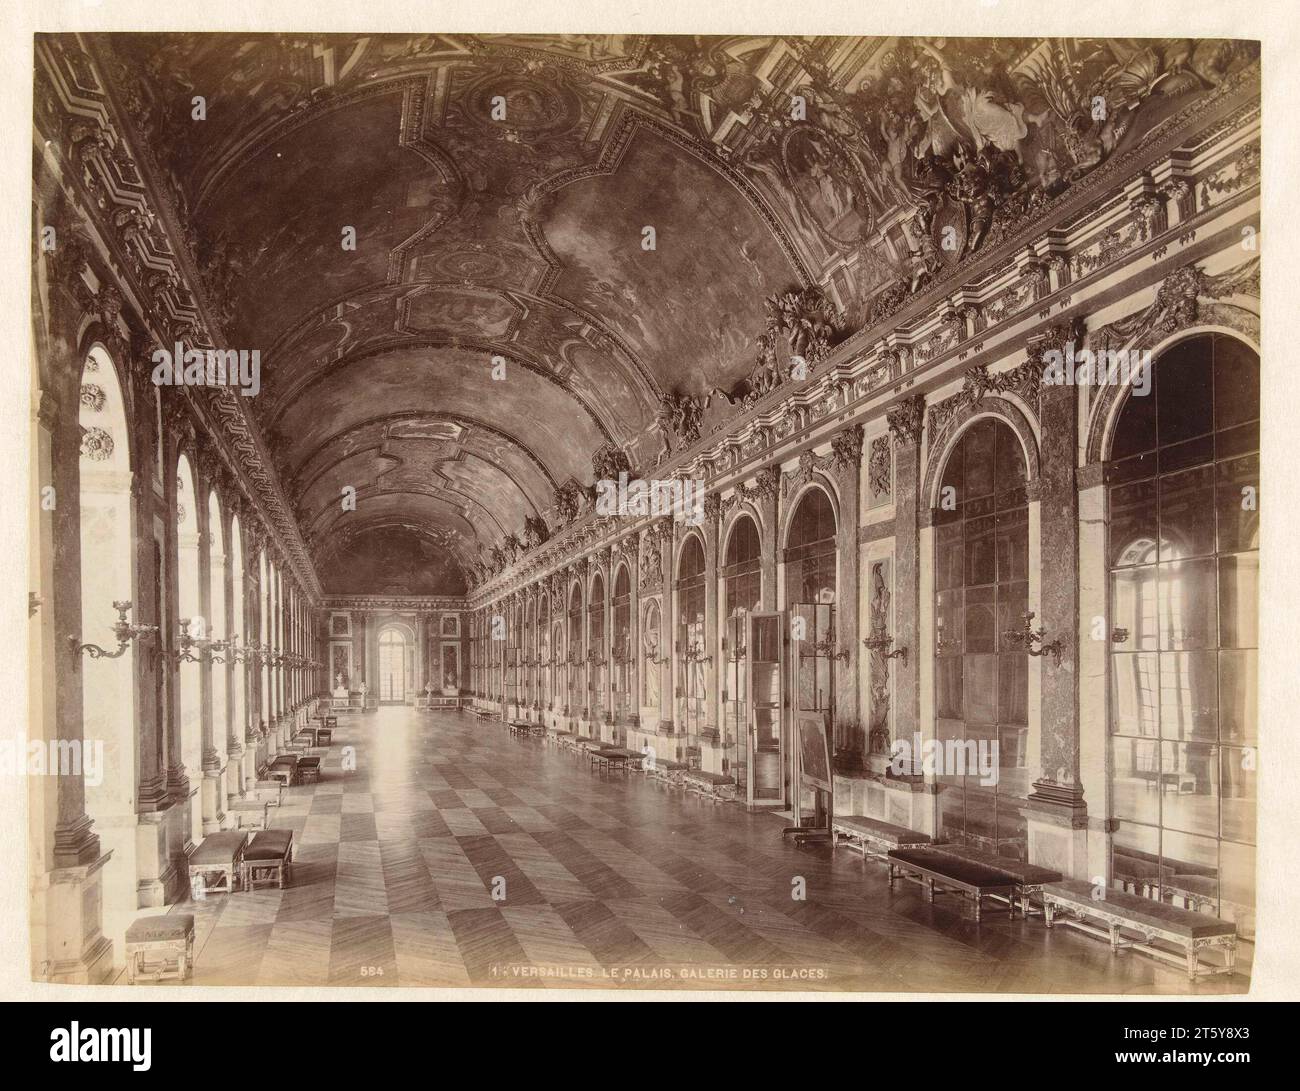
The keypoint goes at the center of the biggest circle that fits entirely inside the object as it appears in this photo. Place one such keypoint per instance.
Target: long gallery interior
(613, 510)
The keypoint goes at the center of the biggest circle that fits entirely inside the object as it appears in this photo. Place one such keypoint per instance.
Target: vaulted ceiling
(498, 190)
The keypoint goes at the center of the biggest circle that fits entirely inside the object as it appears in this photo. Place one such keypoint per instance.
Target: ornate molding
(906, 420)
(79, 111)
(1186, 298)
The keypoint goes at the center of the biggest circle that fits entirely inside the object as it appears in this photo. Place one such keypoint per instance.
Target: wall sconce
(213, 647)
(123, 630)
(1028, 637)
(826, 648)
(880, 642)
(694, 652)
(944, 644)
(188, 641)
(1119, 636)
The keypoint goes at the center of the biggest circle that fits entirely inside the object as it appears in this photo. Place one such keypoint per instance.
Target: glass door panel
(765, 661)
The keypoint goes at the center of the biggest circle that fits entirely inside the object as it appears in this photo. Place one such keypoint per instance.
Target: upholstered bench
(613, 757)
(269, 791)
(670, 772)
(560, 738)
(931, 867)
(583, 743)
(307, 737)
(309, 769)
(215, 862)
(250, 813)
(860, 831)
(1074, 902)
(166, 937)
(284, 769)
(1029, 878)
(269, 856)
(717, 786)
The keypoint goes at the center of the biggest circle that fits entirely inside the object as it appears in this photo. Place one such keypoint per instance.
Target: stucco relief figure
(650, 647)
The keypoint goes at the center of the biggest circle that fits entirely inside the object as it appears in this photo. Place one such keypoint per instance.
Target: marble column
(67, 862)
(1057, 795)
(905, 424)
(846, 465)
(767, 490)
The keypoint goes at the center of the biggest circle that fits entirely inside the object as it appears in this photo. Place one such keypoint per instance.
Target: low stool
(167, 941)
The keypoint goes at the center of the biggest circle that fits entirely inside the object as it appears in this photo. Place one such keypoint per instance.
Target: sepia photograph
(539, 512)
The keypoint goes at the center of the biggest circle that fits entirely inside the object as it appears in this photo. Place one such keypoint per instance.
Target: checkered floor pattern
(455, 854)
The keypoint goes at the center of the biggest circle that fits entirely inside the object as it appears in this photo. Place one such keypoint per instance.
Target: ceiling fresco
(499, 188)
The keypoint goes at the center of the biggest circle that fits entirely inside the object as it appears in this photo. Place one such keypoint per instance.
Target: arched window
(742, 578)
(1183, 552)
(527, 651)
(621, 646)
(544, 648)
(596, 654)
(690, 645)
(981, 682)
(810, 589)
(558, 655)
(576, 653)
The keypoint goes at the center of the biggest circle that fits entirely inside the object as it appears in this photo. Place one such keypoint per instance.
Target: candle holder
(188, 643)
(123, 630)
(694, 652)
(826, 648)
(882, 640)
(1033, 640)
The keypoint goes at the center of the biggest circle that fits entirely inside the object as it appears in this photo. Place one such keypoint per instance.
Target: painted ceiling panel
(799, 189)
(692, 306)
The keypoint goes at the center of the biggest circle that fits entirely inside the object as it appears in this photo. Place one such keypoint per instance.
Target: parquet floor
(457, 855)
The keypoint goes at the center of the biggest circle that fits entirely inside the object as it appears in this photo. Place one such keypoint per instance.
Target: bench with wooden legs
(716, 786)
(613, 757)
(215, 862)
(932, 869)
(1119, 916)
(1028, 878)
(284, 769)
(250, 813)
(670, 772)
(269, 791)
(861, 832)
(160, 946)
(269, 855)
